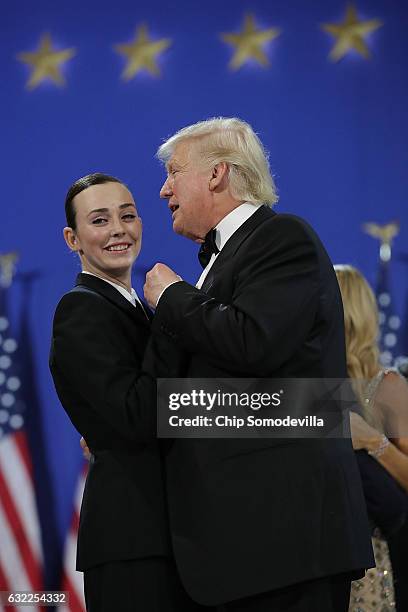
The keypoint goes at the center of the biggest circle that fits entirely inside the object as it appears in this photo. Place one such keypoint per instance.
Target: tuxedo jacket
(250, 516)
(98, 343)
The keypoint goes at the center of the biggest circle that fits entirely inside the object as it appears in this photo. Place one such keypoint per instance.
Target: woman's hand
(363, 436)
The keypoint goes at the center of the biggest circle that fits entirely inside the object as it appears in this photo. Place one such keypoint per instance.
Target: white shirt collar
(229, 224)
(225, 229)
(130, 297)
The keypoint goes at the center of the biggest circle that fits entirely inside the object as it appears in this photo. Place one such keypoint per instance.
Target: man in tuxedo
(100, 333)
(261, 524)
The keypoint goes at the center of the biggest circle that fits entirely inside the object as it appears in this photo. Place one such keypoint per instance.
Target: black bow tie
(208, 248)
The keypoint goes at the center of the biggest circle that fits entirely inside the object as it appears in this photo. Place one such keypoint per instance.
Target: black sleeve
(387, 503)
(273, 306)
(88, 356)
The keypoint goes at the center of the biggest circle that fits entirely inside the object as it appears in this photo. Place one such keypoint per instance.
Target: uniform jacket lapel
(110, 293)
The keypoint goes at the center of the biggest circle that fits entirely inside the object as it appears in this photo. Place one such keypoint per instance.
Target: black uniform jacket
(98, 343)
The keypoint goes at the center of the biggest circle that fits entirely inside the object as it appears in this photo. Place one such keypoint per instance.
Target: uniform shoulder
(77, 297)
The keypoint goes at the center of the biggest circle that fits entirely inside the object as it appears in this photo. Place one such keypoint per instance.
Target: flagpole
(8, 263)
(389, 321)
(385, 234)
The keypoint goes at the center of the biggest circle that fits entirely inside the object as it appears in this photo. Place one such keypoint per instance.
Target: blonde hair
(361, 326)
(232, 141)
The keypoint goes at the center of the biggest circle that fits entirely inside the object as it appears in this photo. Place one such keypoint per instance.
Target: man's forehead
(181, 153)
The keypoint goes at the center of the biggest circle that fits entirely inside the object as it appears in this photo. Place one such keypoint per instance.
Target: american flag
(72, 581)
(21, 558)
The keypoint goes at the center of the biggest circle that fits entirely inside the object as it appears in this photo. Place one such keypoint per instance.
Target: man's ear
(218, 176)
(71, 239)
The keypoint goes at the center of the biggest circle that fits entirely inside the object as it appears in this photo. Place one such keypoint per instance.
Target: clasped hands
(158, 279)
(161, 276)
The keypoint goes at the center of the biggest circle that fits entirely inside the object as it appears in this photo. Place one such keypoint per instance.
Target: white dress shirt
(131, 297)
(225, 229)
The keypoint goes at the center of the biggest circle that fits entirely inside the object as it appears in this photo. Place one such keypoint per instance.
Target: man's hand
(158, 279)
(85, 449)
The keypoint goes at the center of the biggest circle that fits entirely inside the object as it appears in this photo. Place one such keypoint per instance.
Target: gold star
(141, 53)
(350, 34)
(46, 62)
(248, 43)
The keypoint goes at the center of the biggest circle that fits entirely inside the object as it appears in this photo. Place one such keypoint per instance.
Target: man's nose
(166, 190)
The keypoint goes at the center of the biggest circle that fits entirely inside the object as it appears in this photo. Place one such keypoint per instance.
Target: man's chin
(181, 231)
(178, 228)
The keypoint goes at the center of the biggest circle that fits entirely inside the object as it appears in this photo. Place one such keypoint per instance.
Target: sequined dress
(374, 592)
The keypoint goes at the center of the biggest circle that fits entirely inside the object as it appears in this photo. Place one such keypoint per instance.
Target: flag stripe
(20, 538)
(21, 442)
(20, 487)
(74, 577)
(10, 558)
(73, 580)
(4, 587)
(3, 581)
(76, 598)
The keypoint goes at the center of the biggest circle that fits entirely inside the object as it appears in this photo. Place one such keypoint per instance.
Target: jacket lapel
(235, 241)
(110, 293)
(147, 310)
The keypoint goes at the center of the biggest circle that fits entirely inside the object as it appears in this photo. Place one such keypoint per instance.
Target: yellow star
(350, 34)
(46, 62)
(248, 43)
(141, 53)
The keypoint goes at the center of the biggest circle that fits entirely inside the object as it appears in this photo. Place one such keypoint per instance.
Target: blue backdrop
(336, 132)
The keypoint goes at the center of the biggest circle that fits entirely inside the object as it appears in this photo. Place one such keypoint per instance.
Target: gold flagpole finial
(385, 234)
(8, 263)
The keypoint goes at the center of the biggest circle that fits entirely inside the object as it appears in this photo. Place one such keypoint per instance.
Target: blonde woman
(382, 430)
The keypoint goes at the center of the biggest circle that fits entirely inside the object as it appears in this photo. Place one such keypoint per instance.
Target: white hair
(234, 142)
